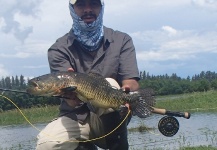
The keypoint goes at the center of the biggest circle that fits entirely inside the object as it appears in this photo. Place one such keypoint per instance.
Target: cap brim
(74, 1)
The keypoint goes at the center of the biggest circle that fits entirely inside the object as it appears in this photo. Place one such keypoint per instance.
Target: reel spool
(168, 126)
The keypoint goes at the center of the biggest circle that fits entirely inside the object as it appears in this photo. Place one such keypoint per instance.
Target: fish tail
(142, 102)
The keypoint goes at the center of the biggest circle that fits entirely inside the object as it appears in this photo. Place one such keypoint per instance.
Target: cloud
(118, 7)
(3, 72)
(182, 45)
(206, 4)
(36, 67)
(34, 48)
(169, 29)
(161, 68)
(8, 17)
(17, 55)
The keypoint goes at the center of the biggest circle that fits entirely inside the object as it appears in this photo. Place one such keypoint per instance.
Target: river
(200, 129)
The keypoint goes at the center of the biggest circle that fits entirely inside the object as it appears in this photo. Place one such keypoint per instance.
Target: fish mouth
(39, 89)
(33, 84)
(33, 87)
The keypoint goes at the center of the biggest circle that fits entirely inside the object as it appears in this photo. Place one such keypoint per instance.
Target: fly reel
(168, 126)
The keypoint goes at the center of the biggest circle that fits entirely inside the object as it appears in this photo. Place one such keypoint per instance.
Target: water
(22, 135)
(200, 129)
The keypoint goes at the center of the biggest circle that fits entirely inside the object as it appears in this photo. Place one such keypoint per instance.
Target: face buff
(89, 35)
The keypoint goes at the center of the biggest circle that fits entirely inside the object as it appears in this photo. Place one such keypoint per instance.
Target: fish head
(45, 85)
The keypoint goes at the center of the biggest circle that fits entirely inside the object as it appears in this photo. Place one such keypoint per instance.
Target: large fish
(91, 88)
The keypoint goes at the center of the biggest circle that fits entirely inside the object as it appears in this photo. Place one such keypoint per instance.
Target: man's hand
(125, 108)
(128, 86)
(72, 99)
(70, 69)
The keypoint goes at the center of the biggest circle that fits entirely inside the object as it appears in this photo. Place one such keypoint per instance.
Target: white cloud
(2, 22)
(34, 48)
(36, 67)
(16, 55)
(158, 68)
(10, 10)
(183, 45)
(3, 72)
(206, 4)
(118, 7)
(170, 30)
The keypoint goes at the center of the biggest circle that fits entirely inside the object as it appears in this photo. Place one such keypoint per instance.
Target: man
(90, 47)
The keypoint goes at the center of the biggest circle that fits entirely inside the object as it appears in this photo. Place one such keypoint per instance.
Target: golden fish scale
(98, 92)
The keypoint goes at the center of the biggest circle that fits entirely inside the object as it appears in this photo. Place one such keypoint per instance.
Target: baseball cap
(74, 1)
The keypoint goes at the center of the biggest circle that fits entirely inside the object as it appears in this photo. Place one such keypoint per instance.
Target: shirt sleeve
(128, 68)
(58, 60)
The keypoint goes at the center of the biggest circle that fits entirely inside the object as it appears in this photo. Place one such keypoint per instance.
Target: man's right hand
(72, 100)
(70, 69)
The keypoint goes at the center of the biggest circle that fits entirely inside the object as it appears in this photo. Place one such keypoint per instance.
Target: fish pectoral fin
(69, 89)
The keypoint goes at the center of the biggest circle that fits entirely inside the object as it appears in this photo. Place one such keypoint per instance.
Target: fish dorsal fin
(106, 81)
(94, 74)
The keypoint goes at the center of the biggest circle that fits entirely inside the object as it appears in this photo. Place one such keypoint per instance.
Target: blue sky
(170, 36)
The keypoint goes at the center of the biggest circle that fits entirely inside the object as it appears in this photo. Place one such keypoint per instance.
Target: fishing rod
(168, 125)
(24, 92)
(155, 110)
(161, 111)
(16, 91)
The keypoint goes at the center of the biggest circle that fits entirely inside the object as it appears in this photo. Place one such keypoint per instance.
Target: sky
(170, 36)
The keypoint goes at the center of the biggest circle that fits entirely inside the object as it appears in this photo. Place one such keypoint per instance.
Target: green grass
(198, 101)
(34, 115)
(141, 128)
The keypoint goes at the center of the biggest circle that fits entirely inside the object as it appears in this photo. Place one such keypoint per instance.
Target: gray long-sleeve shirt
(115, 58)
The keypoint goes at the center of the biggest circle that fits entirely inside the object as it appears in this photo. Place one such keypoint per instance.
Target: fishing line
(76, 140)
(20, 111)
(94, 139)
(89, 139)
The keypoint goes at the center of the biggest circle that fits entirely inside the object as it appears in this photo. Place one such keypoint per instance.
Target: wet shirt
(115, 58)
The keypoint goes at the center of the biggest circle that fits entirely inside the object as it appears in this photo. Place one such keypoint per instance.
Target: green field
(193, 102)
(33, 115)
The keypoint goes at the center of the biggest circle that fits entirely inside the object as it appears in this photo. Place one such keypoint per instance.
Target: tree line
(162, 85)
(165, 84)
